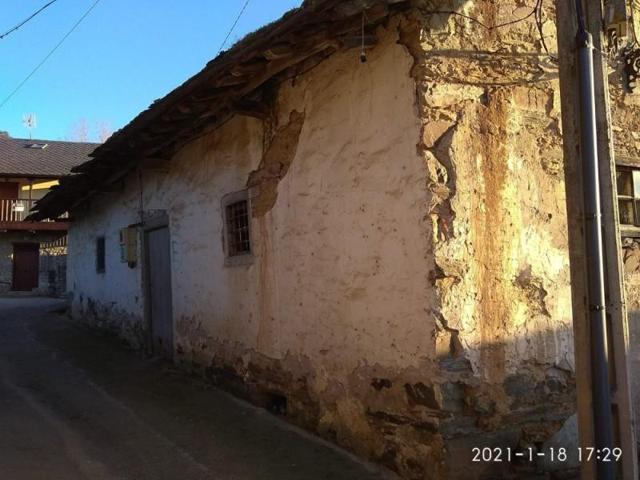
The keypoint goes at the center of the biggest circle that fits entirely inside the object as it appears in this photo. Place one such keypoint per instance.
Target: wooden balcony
(13, 214)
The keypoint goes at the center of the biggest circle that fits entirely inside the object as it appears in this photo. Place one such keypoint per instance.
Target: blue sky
(123, 56)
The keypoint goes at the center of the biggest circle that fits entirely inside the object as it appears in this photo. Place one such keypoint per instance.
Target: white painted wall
(355, 279)
(339, 264)
(114, 296)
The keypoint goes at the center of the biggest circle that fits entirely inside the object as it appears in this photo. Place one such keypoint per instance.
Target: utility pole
(605, 417)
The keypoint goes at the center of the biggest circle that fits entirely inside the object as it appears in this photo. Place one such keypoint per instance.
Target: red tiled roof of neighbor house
(20, 157)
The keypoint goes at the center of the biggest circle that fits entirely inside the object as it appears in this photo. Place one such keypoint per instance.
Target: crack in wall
(464, 121)
(263, 182)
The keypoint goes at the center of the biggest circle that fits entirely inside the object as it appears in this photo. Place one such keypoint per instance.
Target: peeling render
(625, 115)
(408, 295)
(492, 150)
(275, 163)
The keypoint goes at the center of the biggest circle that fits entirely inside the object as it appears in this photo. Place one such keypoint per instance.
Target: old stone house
(33, 254)
(376, 249)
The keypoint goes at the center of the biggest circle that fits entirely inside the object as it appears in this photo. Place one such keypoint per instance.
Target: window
(237, 225)
(628, 181)
(238, 228)
(38, 146)
(100, 255)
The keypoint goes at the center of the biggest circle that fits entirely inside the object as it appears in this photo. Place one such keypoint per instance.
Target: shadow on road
(77, 404)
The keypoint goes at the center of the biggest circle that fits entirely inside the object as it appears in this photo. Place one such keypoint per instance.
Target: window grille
(237, 223)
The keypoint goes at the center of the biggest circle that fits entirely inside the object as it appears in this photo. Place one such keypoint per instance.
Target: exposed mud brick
(380, 383)
(433, 132)
(521, 388)
(274, 166)
(427, 395)
(408, 295)
(454, 397)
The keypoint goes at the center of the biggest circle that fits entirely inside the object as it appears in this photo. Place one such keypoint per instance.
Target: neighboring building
(377, 250)
(33, 254)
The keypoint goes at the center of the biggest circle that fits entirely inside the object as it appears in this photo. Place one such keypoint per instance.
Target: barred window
(237, 228)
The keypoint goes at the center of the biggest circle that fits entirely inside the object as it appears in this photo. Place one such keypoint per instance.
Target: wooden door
(159, 304)
(26, 258)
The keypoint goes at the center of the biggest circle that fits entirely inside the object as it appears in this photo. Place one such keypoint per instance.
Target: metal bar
(601, 388)
(617, 321)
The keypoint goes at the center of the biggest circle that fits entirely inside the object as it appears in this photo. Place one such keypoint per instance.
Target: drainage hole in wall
(277, 403)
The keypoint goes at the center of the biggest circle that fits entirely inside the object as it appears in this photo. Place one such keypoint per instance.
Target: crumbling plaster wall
(112, 300)
(335, 299)
(188, 189)
(625, 117)
(631, 259)
(491, 142)
(334, 303)
(409, 291)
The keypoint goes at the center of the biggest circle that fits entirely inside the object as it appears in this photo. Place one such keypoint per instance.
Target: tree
(80, 131)
(103, 130)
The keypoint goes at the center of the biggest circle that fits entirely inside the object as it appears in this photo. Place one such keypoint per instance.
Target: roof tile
(55, 160)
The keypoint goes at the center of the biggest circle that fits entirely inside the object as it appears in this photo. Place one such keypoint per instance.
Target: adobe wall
(409, 292)
(334, 302)
(491, 142)
(625, 115)
(113, 299)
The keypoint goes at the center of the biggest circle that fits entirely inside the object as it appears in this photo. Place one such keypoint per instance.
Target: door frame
(36, 246)
(157, 221)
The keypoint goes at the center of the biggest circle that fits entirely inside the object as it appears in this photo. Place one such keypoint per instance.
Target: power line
(536, 12)
(479, 22)
(20, 85)
(27, 19)
(233, 27)
(540, 26)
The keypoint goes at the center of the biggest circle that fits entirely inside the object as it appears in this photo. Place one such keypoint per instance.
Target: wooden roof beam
(250, 108)
(279, 51)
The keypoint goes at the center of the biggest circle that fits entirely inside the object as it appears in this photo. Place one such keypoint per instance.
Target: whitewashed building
(355, 218)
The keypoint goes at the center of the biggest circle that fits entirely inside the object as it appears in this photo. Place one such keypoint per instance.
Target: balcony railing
(14, 210)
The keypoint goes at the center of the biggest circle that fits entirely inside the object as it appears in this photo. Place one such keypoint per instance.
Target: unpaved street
(76, 404)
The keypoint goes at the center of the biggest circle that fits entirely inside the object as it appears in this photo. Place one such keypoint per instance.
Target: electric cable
(540, 26)
(480, 22)
(51, 52)
(27, 19)
(536, 12)
(233, 27)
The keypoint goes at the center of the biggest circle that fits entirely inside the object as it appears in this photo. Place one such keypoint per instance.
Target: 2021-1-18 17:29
(507, 454)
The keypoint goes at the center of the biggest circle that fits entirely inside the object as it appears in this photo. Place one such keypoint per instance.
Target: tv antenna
(30, 122)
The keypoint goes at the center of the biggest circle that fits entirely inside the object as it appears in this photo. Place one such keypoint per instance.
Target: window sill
(629, 231)
(239, 260)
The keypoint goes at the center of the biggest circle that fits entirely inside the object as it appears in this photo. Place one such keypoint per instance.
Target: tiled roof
(241, 80)
(56, 159)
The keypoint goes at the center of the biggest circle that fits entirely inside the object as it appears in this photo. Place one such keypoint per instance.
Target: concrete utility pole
(605, 417)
